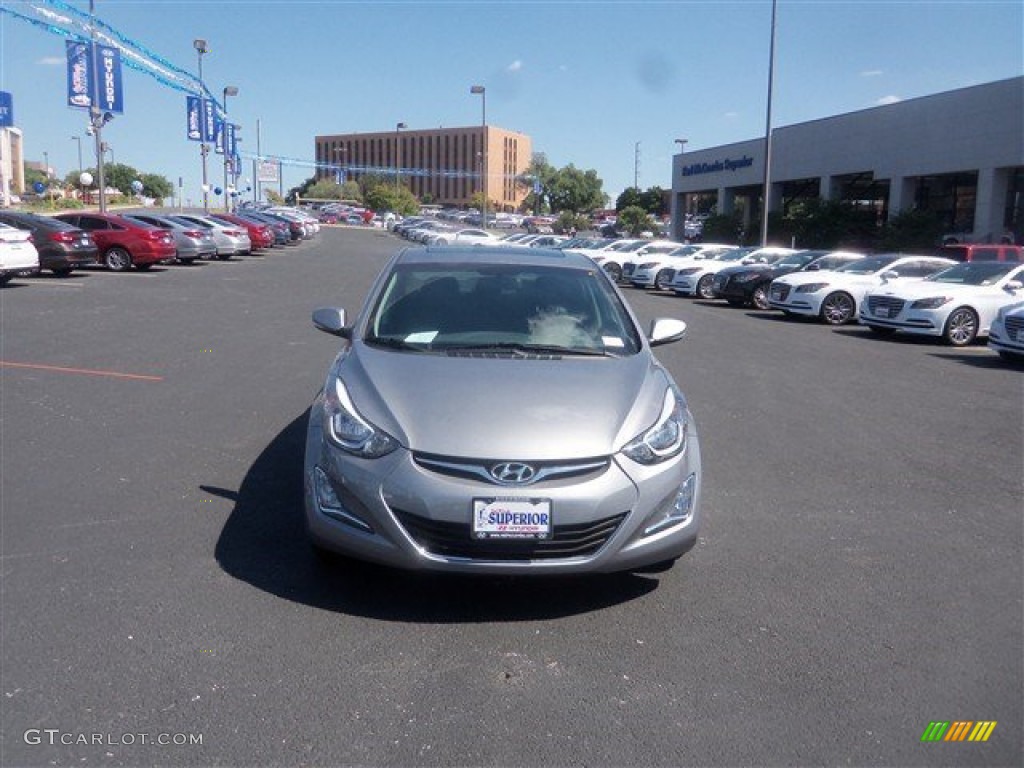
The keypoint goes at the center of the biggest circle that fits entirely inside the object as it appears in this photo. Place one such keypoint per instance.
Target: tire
(614, 271)
(5, 279)
(661, 281)
(961, 327)
(143, 267)
(224, 256)
(759, 298)
(62, 271)
(881, 330)
(704, 290)
(838, 308)
(117, 259)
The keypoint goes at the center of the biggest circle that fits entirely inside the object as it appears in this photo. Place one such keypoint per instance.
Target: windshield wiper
(521, 348)
(392, 343)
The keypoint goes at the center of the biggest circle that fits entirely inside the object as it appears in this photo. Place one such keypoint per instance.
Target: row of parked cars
(30, 242)
(963, 294)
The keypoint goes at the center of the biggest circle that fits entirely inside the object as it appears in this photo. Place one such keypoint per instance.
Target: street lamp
(229, 90)
(79, 140)
(200, 46)
(398, 154)
(479, 89)
(682, 145)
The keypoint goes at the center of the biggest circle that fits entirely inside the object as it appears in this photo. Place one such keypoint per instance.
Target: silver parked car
(230, 240)
(498, 410)
(192, 241)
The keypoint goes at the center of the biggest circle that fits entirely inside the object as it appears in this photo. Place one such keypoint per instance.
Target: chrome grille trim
(475, 469)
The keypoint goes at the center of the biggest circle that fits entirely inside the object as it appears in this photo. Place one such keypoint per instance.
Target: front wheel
(759, 298)
(704, 289)
(614, 271)
(663, 280)
(62, 271)
(961, 327)
(118, 260)
(224, 256)
(838, 308)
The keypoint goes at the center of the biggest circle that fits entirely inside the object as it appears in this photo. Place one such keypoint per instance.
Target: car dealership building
(959, 154)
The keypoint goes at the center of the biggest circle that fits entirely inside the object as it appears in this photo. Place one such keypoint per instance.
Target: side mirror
(1013, 286)
(665, 330)
(813, 268)
(331, 320)
(892, 274)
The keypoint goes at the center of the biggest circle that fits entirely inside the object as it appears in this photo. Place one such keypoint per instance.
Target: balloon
(217, 190)
(136, 186)
(86, 179)
(39, 187)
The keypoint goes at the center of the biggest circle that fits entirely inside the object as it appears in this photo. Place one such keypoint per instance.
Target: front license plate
(511, 519)
(882, 312)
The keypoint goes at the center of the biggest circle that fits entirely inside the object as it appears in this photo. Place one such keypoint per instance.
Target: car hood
(832, 278)
(534, 409)
(920, 289)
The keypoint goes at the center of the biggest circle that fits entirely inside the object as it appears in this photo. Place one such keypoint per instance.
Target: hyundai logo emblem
(513, 473)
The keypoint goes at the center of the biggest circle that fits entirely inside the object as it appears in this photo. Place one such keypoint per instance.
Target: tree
(156, 186)
(634, 220)
(385, 197)
(651, 200)
(576, 190)
(911, 230)
(350, 190)
(325, 189)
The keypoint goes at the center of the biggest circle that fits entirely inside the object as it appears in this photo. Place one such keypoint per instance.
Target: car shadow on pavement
(264, 544)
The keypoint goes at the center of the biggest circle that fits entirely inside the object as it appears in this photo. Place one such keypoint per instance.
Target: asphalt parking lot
(859, 573)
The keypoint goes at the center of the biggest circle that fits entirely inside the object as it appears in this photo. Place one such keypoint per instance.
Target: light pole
(768, 135)
(229, 90)
(398, 154)
(479, 89)
(46, 170)
(97, 119)
(78, 139)
(339, 174)
(682, 148)
(200, 46)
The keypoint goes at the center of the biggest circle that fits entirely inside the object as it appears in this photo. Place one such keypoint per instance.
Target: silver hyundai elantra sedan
(499, 410)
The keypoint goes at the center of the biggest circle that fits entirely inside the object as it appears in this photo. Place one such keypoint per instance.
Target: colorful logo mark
(958, 730)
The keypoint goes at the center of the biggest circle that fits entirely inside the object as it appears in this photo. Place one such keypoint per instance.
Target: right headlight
(666, 438)
(346, 429)
(811, 287)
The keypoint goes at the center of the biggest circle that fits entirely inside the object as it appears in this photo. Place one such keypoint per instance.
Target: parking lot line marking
(80, 371)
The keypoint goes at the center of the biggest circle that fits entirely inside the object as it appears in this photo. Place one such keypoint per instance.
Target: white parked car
(835, 296)
(657, 270)
(958, 304)
(637, 255)
(463, 237)
(18, 256)
(1006, 335)
(698, 278)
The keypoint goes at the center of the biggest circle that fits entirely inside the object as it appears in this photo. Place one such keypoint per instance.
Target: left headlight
(666, 438)
(933, 302)
(346, 429)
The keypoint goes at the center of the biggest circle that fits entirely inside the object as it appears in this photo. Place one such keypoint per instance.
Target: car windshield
(504, 308)
(974, 273)
(867, 266)
(734, 255)
(796, 260)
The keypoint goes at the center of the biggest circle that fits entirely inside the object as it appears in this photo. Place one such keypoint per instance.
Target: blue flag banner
(209, 120)
(193, 108)
(6, 110)
(218, 135)
(83, 82)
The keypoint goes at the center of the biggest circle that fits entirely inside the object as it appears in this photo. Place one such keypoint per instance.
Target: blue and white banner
(229, 139)
(83, 83)
(209, 120)
(6, 110)
(219, 135)
(194, 110)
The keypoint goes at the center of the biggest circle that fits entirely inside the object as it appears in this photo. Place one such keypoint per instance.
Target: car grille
(780, 292)
(477, 470)
(890, 306)
(670, 275)
(1014, 326)
(720, 282)
(627, 269)
(455, 539)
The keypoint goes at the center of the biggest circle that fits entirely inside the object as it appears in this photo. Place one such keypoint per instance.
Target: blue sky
(586, 80)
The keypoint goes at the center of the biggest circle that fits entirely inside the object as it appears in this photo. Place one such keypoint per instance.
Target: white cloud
(515, 66)
(52, 61)
(732, 115)
(871, 73)
(893, 99)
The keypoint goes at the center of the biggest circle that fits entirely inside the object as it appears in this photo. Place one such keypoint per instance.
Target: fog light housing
(676, 512)
(330, 504)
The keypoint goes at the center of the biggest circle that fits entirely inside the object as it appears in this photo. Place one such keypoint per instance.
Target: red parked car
(260, 235)
(124, 243)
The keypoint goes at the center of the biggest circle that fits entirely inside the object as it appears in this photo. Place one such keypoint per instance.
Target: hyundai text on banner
(82, 81)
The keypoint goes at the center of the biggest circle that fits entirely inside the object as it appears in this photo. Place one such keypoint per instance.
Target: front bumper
(398, 512)
(1004, 337)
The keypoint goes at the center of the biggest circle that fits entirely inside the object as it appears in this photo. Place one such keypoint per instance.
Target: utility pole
(636, 167)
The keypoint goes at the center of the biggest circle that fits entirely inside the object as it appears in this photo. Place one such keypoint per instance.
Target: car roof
(493, 254)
